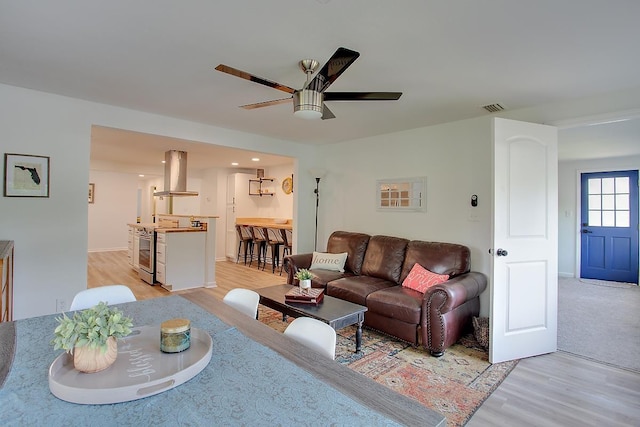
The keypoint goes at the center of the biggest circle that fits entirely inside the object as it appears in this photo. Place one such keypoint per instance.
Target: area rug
(454, 385)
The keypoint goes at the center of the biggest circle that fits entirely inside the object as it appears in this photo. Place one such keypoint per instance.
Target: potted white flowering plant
(90, 336)
(304, 277)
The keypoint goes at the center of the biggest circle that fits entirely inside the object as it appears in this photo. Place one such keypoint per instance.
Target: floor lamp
(315, 241)
(317, 174)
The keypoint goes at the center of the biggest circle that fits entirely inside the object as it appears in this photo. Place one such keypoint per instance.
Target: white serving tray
(140, 370)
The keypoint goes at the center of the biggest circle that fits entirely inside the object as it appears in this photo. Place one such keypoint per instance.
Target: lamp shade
(307, 104)
(317, 172)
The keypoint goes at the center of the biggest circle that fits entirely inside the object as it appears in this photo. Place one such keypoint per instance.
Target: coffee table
(334, 311)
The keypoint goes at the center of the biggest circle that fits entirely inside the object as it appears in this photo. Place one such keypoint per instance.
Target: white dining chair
(112, 294)
(314, 334)
(244, 300)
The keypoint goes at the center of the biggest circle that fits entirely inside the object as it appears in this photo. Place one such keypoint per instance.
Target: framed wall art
(402, 194)
(26, 175)
(92, 192)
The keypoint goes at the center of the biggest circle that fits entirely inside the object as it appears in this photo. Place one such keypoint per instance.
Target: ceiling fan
(308, 102)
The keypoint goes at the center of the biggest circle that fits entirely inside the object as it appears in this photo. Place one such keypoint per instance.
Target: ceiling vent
(493, 108)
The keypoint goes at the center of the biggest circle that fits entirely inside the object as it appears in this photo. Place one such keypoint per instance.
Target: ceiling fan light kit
(308, 102)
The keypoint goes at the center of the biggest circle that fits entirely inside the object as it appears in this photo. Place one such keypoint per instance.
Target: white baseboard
(566, 275)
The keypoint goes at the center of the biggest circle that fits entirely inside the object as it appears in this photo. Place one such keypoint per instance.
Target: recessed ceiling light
(141, 176)
(255, 159)
(234, 164)
(164, 161)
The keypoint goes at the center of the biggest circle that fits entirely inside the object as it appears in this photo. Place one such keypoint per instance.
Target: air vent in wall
(493, 108)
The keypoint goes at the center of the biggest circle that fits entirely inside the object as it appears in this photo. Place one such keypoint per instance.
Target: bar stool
(287, 245)
(260, 241)
(274, 241)
(244, 238)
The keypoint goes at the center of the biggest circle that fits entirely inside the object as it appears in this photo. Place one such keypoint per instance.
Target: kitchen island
(208, 227)
(184, 255)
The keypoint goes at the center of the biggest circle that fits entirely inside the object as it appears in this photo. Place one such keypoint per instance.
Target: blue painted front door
(609, 226)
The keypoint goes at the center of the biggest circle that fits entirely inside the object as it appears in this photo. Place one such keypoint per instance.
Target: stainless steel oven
(147, 258)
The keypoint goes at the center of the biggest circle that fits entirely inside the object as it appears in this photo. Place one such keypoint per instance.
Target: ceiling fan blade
(334, 67)
(252, 78)
(326, 113)
(266, 103)
(362, 96)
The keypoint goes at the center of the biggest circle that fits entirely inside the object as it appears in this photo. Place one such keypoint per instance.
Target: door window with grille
(609, 202)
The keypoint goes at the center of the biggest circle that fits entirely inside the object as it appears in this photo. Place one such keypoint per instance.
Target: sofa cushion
(354, 244)
(420, 279)
(440, 258)
(398, 303)
(356, 288)
(384, 258)
(327, 261)
(322, 277)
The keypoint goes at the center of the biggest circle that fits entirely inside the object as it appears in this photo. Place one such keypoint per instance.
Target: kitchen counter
(180, 230)
(143, 225)
(159, 229)
(265, 222)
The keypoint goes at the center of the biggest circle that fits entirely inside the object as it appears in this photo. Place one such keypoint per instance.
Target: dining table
(256, 376)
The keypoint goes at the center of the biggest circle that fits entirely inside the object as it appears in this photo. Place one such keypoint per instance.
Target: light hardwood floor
(557, 389)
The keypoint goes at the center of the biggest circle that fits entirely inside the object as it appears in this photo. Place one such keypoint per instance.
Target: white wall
(51, 234)
(455, 158)
(280, 205)
(569, 207)
(115, 205)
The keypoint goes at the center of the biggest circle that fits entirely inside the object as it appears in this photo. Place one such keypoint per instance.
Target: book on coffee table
(308, 296)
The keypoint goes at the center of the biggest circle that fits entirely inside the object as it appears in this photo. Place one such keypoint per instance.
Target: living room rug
(455, 384)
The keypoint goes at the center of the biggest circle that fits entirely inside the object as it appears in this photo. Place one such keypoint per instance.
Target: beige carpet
(600, 321)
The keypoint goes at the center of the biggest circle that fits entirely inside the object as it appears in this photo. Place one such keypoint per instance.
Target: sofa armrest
(455, 292)
(447, 310)
(293, 263)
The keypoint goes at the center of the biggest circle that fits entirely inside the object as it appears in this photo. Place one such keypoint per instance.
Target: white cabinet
(136, 249)
(133, 244)
(130, 246)
(180, 260)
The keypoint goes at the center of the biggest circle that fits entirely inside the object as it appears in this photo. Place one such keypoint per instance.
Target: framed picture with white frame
(402, 194)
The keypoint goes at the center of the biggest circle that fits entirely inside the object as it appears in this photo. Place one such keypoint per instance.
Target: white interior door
(524, 286)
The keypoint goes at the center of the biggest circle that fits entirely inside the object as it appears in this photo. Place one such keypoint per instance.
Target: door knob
(585, 231)
(501, 252)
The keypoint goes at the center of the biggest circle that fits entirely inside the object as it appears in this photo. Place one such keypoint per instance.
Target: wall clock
(287, 185)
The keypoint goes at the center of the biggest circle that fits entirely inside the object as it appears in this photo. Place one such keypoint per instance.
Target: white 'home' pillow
(327, 261)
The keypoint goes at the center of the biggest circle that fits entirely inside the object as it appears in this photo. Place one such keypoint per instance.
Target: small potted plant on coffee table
(304, 277)
(90, 336)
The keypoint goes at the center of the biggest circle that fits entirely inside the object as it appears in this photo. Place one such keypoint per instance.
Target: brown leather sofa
(374, 271)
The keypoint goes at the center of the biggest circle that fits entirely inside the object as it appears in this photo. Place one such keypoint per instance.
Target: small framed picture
(26, 175)
(92, 191)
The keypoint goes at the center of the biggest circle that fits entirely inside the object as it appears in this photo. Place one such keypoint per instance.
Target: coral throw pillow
(420, 279)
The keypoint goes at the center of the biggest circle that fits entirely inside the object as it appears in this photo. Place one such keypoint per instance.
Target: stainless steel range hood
(175, 175)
